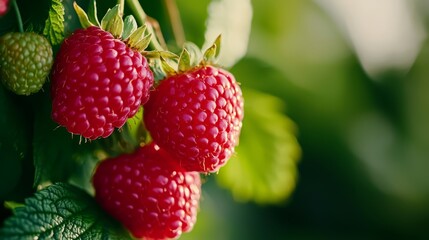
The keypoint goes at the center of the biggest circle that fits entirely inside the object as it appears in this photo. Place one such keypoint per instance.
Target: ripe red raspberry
(98, 82)
(197, 116)
(4, 6)
(149, 193)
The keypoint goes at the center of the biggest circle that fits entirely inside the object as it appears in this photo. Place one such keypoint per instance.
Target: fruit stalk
(18, 16)
(141, 17)
(121, 4)
(175, 21)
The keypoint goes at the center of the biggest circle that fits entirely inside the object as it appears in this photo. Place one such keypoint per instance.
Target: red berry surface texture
(197, 117)
(98, 82)
(149, 193)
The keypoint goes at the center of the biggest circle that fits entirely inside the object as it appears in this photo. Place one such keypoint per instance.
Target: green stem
(175, 21)
(18, 16)
(141, 17)
(121, 7)
(138, 10)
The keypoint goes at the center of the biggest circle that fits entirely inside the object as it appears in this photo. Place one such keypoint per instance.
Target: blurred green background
(335, 142)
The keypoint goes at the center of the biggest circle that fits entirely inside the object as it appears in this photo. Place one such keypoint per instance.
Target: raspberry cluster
(100, 78)
(194, 115)
(194, 119)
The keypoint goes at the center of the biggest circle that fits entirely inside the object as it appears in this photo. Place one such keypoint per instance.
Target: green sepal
(209, 54)
(92, 13)
(190, 57)
(159, 54)
(194, 53)
(156, 67)
(163, 63)
(184, 61)
(166, 67)
(130, 25)
(212, 53)
(138, 39)
(142, 44)
(136, 36)
(83, 17)
(112, 22)
(217, 42)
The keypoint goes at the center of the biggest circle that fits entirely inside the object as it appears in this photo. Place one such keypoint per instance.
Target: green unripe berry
(25, 61)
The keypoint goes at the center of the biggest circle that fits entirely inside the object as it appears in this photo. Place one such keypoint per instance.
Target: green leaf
(135, 128)
(264, 167)
(61, 211)
(54, 24)
(235, 28)
(82, 175)
(56, 154)
(72, 21)
(52, 148)
(15, 145)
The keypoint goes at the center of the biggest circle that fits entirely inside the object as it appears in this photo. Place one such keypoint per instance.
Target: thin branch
(175, 21)
(142, 18)
(121, 7)
(18, 16)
